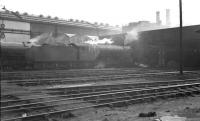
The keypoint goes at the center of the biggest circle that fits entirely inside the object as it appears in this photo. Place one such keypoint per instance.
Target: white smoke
(96, 41)
(131, 36)
(65, 39)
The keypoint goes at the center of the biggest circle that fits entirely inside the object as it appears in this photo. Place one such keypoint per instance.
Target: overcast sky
(114, 12)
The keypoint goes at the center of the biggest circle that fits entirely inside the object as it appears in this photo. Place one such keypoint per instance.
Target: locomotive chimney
(168, 17)
(158, 21)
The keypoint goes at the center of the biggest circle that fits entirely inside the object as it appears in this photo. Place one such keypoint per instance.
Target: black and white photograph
(100, 60)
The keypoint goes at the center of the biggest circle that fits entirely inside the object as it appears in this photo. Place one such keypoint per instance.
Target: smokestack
(158, 21)
(168, 17)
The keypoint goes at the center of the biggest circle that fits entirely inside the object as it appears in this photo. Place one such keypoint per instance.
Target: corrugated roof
(40, 19)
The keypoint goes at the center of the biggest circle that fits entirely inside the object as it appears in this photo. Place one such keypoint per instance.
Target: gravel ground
(180, 109)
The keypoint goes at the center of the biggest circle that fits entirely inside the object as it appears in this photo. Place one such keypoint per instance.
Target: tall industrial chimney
(168, 17)
(158, 21)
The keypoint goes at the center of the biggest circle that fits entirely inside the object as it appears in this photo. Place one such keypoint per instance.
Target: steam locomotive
(153, 48)
(17, 56)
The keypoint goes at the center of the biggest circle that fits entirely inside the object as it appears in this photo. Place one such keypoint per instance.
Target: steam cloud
(131, 36)
(65, 39)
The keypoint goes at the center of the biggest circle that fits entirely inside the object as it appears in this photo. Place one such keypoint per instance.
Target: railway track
(77, 80)
(76, 98)
(50, 101)
(69, 73)
(85, 89)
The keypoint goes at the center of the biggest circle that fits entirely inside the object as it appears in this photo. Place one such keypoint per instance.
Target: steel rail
(64, 104)
(45, 102)
(78, 70)
(90, 100)
(153, 96)
(63, 72)
(53, 74)
(87, 79)
(87, 73)
(95, 88)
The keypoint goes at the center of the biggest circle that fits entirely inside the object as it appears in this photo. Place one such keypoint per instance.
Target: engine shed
(165, 43)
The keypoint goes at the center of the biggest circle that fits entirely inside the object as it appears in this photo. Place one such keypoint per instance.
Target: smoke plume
(131, 36)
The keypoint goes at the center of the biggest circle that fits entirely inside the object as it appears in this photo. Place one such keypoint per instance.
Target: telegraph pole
(181, 39)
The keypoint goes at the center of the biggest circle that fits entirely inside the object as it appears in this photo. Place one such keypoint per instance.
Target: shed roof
(48, 20)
